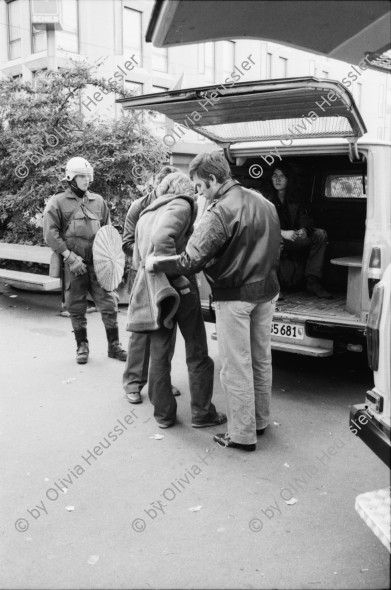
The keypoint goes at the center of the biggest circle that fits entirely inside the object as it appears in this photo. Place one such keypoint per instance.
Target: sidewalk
(174, 512)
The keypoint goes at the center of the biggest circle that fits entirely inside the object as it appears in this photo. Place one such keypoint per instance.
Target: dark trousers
(303, 258)
(199, 365)
(76, 291)
(135, 374)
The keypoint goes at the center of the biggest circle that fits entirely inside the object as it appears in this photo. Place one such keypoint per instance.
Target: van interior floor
(302, 302)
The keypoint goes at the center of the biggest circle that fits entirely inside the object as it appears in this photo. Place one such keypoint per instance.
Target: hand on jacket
(166, 264)
(76, 264)
(149, 263)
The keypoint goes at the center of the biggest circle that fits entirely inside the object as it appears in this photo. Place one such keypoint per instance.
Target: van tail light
(374, 269)
(373, 325)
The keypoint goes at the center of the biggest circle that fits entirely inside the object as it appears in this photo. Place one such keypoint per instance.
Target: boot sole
(113, 356)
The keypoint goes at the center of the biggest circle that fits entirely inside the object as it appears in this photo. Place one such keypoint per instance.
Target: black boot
(115, 350)
(82, 346)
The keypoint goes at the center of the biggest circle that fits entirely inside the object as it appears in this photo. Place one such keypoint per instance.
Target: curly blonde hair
(176, 183)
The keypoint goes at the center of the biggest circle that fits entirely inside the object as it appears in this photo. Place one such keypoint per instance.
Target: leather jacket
(246, 267)
(236, 244)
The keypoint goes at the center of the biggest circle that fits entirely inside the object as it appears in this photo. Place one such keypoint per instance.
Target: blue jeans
(244, 340)
(199, 365)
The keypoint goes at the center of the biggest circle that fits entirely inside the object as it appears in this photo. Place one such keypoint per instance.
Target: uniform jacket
(77, 236)
(163, 229)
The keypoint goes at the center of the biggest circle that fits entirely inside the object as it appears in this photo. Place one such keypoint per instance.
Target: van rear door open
(268, 110)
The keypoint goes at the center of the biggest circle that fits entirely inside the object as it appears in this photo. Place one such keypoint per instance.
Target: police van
(315, 126)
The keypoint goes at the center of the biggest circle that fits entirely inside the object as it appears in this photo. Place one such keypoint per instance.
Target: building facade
(111, 35)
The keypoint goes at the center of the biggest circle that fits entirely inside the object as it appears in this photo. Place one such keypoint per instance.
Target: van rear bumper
(336, 332)
(370, 433)
(352, 334)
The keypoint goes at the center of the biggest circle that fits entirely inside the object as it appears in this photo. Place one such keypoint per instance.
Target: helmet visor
(70, 173)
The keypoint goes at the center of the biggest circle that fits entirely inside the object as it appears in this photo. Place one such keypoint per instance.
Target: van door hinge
(227, 153)
(354, 156)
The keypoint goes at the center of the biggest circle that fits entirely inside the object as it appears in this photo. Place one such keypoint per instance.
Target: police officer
(71, 221)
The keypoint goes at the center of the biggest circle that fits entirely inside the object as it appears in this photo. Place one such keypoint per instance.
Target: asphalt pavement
(95, 495)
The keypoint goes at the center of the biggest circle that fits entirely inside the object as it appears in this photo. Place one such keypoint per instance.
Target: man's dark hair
(204, 165)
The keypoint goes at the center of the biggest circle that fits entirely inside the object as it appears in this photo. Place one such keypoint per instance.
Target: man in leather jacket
(71, 221)
(237, 244)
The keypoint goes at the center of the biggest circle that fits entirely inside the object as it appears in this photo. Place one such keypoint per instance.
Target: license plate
(293, 331)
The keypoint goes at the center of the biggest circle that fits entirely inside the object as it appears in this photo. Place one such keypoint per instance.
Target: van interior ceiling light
(374, 269)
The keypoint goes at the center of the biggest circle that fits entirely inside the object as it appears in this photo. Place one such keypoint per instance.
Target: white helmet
(77, 166)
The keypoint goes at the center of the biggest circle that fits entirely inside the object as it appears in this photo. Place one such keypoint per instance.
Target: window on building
(68, 38)
(159, 117)
(14, 30)
(206, 61)
(134, 88)
(39, 39)
(228, 57)
(201, 58)
(269, 59)
(132, 34)
(282, 67)
(209, 62)
(160, 59)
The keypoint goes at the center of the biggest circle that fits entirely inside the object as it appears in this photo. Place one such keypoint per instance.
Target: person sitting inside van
(303, 245)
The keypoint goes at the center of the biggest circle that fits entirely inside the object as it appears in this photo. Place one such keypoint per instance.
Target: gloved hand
(76, 264)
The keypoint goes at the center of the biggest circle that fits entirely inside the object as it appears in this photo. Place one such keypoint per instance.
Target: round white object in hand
(109, 259)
